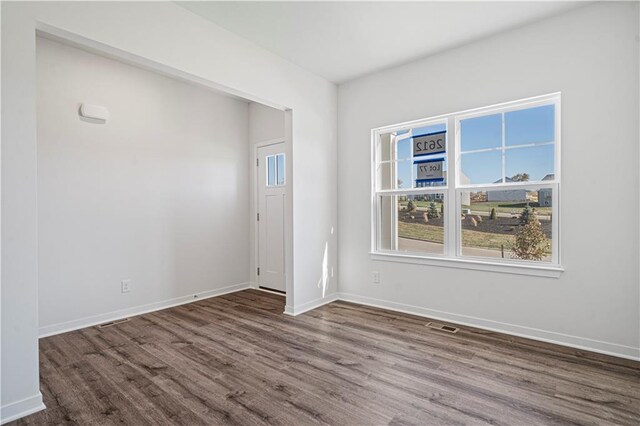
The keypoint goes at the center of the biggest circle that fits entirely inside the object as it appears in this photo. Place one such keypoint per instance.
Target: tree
(432, 213)
(520, 177)
(411, 206)
(526, 215)
(531, 243)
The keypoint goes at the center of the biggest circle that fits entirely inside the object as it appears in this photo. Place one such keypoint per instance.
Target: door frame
(255, 204)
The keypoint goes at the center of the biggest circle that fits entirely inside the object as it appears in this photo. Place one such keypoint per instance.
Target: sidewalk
(408, 244)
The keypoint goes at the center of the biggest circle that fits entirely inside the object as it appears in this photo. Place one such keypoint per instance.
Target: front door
(271, 194)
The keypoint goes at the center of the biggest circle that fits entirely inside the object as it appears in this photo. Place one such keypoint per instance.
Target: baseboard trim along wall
(65, 327)
(576, 342)
(22, 408)
(305, 307)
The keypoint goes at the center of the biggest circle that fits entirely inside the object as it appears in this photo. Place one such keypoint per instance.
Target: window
(276, 170)
(475, 187)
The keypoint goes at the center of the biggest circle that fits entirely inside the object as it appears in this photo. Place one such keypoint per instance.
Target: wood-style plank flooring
(236, 359)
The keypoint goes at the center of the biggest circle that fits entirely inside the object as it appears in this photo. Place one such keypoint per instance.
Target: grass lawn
(470, 238)
(420, 203)
(424, 232)
(506, 207)
(500, 206)
(486, 240)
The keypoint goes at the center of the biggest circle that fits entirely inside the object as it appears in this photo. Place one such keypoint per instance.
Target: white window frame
(452, 255)
(276, 170)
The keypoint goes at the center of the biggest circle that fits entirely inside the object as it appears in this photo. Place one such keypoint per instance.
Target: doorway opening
(136, 159)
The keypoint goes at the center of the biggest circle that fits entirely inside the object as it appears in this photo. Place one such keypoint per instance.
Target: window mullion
(413, 178)
(555, 223)
(451, 208)
(504, 152)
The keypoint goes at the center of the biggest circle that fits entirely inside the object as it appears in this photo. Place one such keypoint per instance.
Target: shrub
(493, 214)
(472, 221)
(411, 206)
(531, 243)
(478, 218)
(433, 211)
(441, 209)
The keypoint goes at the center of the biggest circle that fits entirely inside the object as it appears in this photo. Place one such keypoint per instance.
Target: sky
(533, 125)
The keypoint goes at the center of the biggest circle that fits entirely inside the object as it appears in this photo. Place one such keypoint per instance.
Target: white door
(271, 194)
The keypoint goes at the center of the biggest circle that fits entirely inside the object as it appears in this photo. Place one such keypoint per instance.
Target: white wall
(157, 195)
(265, 124)
(591, 56)
(165, 35)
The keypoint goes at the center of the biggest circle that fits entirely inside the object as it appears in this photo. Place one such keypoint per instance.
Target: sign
(432, 143)
(430, 170)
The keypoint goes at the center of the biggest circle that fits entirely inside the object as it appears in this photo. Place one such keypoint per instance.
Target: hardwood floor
(237, 359)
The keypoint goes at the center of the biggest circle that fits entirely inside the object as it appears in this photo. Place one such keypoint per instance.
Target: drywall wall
(157, 195)
(591, 56)
(162, 35)
(1, 292)
(19, 387)
(266, 124)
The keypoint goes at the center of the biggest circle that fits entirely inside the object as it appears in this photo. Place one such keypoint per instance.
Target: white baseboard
(305, 307)
(22, 408)
(64, 327)
(582, 343)
(288, 310)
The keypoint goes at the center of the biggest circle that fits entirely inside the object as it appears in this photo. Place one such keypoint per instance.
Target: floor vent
(110, 323)
(443, 327)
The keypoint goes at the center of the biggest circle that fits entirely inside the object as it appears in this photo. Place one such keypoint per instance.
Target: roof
(507, 179)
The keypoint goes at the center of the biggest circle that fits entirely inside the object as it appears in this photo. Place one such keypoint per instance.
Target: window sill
(548, 271)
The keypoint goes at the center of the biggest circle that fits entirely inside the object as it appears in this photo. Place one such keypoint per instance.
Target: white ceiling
(344, 40)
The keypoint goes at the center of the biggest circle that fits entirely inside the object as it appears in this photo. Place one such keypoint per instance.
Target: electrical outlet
(125, 286)
(375, 277)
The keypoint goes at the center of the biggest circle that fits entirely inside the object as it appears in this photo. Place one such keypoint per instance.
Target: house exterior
(516, 195)
(466, 196)
(545, 194)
